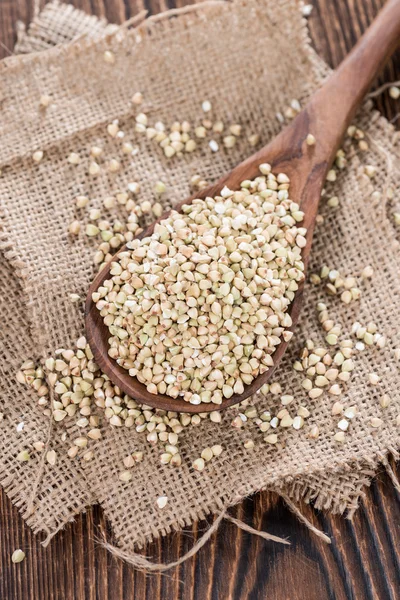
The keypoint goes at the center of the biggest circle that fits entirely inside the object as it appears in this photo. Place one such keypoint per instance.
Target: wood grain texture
(363, 561)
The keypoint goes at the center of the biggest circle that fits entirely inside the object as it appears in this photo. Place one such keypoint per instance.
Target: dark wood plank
(363, 561)
(335, 26)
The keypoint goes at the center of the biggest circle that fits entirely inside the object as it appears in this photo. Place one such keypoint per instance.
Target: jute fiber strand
(250, 59)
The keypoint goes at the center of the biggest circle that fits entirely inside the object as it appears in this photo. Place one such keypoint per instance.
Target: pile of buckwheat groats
(70, 384)
(197, 309)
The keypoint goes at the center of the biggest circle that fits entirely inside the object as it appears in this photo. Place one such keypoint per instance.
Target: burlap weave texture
(250, 59)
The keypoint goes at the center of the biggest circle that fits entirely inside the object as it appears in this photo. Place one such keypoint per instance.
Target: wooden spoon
(326, 116)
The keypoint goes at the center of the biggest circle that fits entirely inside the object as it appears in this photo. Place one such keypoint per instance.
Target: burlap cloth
(250, 58)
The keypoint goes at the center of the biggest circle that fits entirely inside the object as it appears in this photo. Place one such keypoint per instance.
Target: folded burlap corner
(250, 59)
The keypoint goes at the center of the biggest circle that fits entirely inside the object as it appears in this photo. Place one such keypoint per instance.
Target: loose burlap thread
(250, 59)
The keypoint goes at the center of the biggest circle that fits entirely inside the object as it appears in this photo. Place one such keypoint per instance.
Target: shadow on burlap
(250, 59)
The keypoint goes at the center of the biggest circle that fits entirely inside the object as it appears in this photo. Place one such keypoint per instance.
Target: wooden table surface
(363, 561)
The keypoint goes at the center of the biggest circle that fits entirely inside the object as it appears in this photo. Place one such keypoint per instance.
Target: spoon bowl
(326, 116)
(98, 334)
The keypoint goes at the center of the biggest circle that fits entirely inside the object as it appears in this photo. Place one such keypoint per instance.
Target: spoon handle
(334, 105)
(329, 112)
